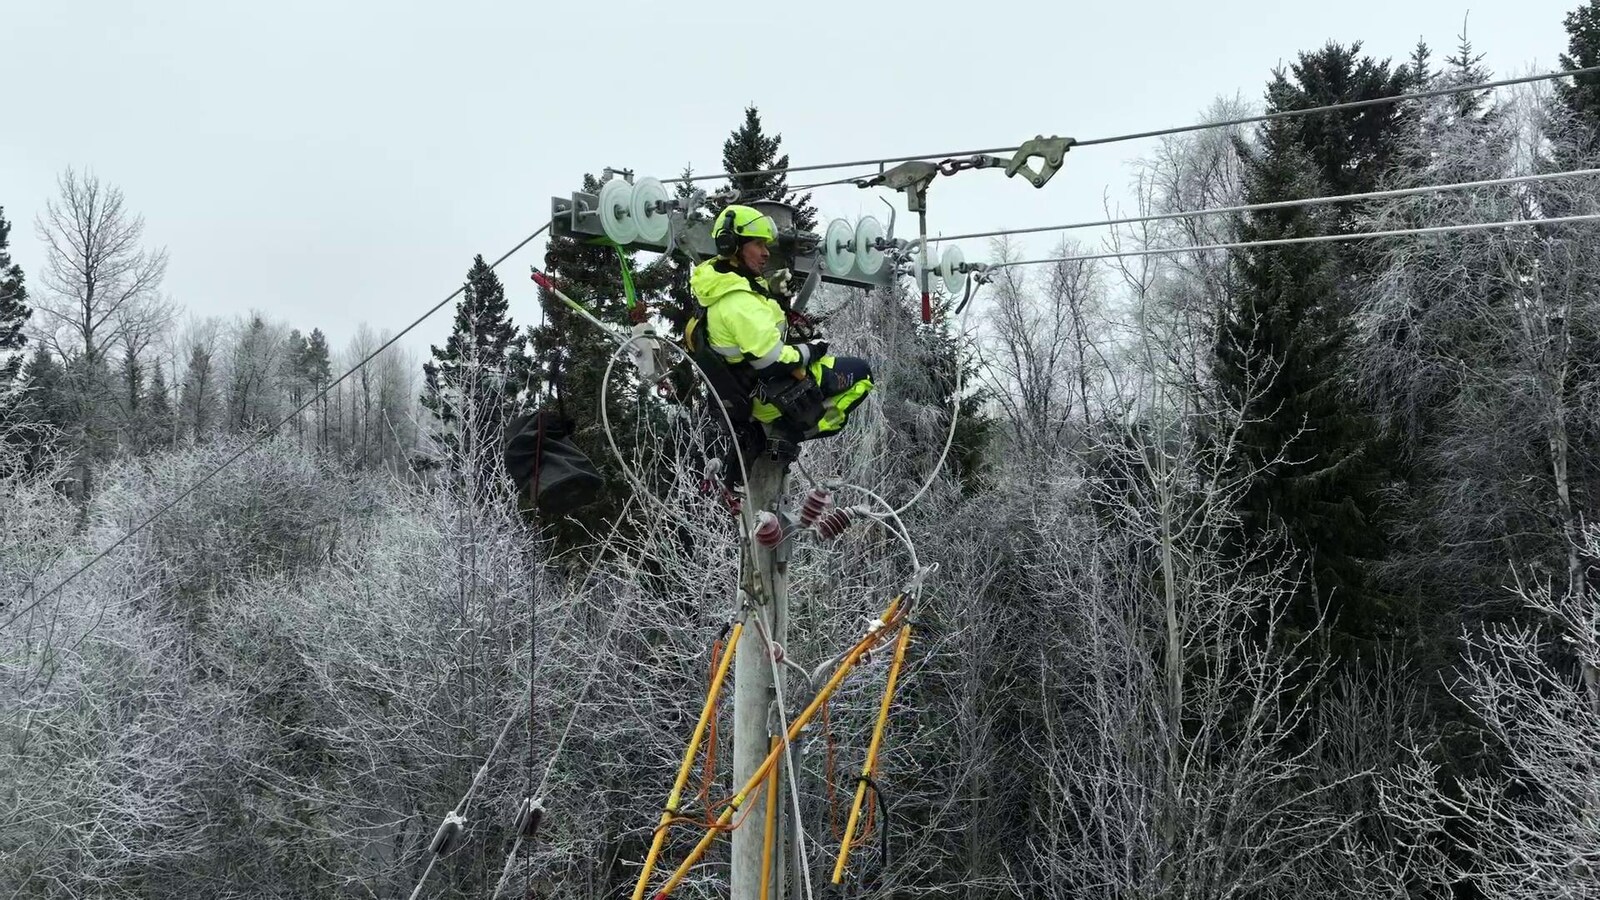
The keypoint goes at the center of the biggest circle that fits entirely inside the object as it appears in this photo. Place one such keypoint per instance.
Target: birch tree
(99, 285)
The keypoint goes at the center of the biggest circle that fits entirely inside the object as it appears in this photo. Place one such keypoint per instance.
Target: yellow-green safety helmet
(737, 223)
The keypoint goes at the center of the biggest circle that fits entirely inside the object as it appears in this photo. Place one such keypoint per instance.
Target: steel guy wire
(1276, 204)
(258, 440)
(1309, 239)
(464, 806)
(1163, 132)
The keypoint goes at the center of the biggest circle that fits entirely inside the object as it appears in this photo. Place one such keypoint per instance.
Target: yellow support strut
(868, 769)
(676, 796)
(769, 839)
(764, 770)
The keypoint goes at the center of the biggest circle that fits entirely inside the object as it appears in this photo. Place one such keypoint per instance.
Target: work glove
(811, 351)
(802, 327)
(780, 284)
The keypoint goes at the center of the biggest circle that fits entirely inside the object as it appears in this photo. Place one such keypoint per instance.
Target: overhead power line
(258, 441)
(1310, 239)
(1162, 132)
(1276, 204)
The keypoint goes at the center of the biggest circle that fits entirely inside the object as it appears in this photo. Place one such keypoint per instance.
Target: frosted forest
(1263, 572)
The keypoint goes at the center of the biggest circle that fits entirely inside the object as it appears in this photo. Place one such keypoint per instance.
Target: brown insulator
(815, 504)
(769, 531)
(834, 523)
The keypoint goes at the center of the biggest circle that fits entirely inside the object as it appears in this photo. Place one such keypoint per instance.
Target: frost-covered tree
(14, 314)
(1530, 830)
(473, 383)
(99, 285)
(254, 390)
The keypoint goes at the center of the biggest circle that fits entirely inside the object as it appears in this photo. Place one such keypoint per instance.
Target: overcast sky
(337, 162)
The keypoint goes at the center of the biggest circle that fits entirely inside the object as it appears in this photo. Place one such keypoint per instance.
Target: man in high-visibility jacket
(797, 390)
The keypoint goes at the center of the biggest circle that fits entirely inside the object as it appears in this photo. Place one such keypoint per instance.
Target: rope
(261, 438)
(883, 833)
(505, 873)
(577, 705)
(747, 517)
(462, 808)
(1162, 132)
(465, 804)
(533, 657)
(1277, 204)
(1310, 239)
(708, 769)
(933, 474)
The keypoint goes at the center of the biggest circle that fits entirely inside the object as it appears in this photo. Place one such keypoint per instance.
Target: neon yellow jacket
(743, 325)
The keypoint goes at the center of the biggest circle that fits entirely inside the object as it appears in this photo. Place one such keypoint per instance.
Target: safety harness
(736, 381)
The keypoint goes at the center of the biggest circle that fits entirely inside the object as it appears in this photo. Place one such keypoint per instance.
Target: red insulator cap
(816, 503)
(769, 531)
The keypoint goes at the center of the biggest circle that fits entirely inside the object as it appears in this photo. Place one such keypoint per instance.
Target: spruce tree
(158, 414)
(570, 354)
(473, 382)
(197, 403)
(317, 366)
(296, 381)
(1283, 345)
(14, 313)
(45, 409)
(132, 426)
(750, 149)
(1581, 97)
(1350, 150)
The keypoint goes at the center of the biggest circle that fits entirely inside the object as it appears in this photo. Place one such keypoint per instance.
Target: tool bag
(546, 466)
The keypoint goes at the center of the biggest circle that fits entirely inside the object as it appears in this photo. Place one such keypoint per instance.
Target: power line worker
(795, 389)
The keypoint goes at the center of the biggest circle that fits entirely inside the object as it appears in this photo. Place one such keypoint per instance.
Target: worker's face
(753, 255)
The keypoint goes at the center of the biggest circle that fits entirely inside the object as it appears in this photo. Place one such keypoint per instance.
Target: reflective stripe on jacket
(742, 324)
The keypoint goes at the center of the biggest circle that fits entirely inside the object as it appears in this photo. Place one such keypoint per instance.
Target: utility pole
(766, 586)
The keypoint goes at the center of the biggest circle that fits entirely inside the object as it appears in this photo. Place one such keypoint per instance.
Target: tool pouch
(798, 401)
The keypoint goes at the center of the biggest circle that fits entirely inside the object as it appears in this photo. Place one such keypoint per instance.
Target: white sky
(336, 162)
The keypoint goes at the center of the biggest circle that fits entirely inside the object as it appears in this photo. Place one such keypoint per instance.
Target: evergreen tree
(317, 367)
(749, 149)
(473, 382)
(131, 426)
(570, 354)
(1465, 67)
(45, 409)
(1581, 98)
(14, 313)
(197, 404)
(1350, 150)
(1283, 344)
(158, 415)
(294, 377)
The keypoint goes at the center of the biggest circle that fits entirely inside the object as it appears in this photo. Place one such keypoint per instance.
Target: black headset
(727, 240)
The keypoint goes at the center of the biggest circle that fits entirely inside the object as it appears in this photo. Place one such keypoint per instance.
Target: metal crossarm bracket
(911, 177)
